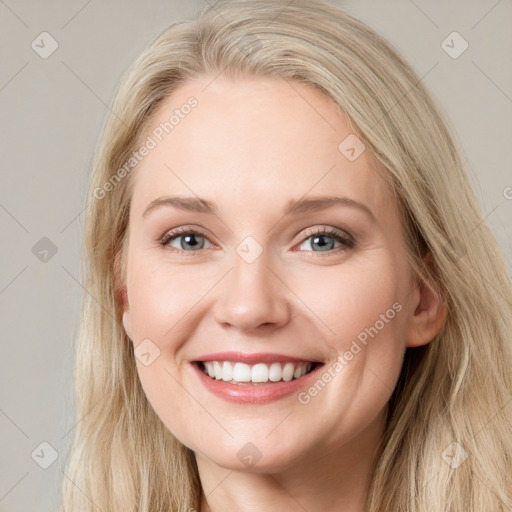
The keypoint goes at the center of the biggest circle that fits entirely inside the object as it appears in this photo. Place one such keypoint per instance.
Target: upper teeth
(260, 372)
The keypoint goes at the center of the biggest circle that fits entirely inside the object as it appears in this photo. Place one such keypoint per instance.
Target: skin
(250, 146)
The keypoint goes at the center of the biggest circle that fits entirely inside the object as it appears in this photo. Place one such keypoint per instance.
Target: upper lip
(261, 357)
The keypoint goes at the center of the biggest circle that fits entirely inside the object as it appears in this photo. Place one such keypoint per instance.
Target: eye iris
(187, 242)
(323, 245)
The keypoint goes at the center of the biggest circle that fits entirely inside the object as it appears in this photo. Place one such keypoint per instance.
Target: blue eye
(189, 240)
(321, 240)
(194, 241)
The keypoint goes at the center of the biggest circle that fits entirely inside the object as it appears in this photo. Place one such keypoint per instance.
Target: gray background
(51, 113)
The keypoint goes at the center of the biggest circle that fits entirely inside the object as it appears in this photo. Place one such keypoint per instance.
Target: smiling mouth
(260, 373)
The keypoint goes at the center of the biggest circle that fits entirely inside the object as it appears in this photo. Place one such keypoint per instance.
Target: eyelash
(347, 242)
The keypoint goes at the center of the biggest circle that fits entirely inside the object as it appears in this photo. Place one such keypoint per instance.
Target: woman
(293, 301)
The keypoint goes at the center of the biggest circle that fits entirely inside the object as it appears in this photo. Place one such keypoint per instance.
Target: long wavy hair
(453, 396)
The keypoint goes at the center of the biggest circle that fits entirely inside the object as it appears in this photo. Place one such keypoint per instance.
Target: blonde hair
(455, 389)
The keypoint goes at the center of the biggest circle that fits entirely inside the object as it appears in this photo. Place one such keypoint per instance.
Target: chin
(258, 456)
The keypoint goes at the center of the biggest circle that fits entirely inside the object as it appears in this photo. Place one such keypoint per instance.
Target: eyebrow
(293, 207)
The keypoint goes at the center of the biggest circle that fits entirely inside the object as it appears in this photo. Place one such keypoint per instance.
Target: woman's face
(276, 280)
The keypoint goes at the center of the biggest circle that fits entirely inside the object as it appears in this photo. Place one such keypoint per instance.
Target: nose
(253, 297)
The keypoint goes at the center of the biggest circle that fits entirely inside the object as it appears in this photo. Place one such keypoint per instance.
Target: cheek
(362, 308)
(359, 302)
(160, 297)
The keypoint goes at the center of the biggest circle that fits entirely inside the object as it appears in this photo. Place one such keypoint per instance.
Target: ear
(429, 311)
(126, 311)
(123, 296)
(121, 289)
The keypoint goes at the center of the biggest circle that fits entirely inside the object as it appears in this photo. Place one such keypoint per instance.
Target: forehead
(254, 142)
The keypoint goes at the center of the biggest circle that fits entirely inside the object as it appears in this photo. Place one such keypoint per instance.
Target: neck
(337, 480)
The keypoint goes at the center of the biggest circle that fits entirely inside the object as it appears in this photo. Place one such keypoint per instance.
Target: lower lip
(255, 393)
